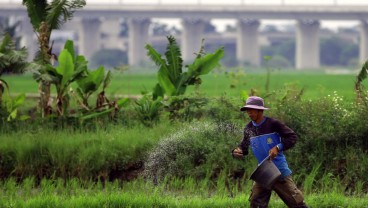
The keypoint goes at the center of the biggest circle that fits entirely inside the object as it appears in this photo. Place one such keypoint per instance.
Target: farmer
(275, 137)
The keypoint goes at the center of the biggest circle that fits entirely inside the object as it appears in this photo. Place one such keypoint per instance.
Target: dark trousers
(285, 188)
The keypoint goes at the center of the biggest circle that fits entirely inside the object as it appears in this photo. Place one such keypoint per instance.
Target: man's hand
(238, 153)
(273, 152)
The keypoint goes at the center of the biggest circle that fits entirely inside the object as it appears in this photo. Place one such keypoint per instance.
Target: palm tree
(11, 60)
(46, 16)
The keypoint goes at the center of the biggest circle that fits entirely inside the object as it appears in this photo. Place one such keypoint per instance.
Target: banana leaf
(206, 63)
(66, 66)
(165, 82)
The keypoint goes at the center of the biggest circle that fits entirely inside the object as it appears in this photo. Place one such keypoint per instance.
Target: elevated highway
(89, 24)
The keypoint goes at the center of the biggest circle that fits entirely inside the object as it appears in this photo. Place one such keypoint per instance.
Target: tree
(11, 59)
(172, 79)
(337, 51)
(46, 16)
(11, 29)
(109, 58)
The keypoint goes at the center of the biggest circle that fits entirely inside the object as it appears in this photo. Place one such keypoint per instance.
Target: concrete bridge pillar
(363, 52)
(307, 44)
(247, 49)
(192, 36)
(111, 29)
(90, 37)
(138, 38)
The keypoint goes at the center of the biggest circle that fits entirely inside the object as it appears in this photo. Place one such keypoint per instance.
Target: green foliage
(172, 80)
(327, 129)
(36, 11)
(337, 51)
(89, 84)
(44, 153)
(285, 49)
(76, 193)
(109, 58)
(148, 110)
(54, 13)
(278, 61)
(225, 109)
(69, 70)
(185, 108)
(12, 60)
(46, 16)
(361, 93)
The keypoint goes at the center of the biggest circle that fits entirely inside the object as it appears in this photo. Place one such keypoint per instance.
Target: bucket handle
(267, 158)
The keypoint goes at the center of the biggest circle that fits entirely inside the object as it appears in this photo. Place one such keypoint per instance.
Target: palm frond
(6, 43)
(363, 72)
(37, 11)
(155, 56)
(5, 83)
(159, 61)
(206, 63)
(107, 80)
(60, 11)
(11, 60)
(359, 88)
(174, 59)
(17, 56)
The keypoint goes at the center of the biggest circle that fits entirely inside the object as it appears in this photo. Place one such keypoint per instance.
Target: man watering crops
(274, 137)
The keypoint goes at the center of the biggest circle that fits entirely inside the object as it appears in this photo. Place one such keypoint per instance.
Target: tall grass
(70, 153)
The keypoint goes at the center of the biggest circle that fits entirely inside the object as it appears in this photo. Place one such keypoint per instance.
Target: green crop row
(140, 193)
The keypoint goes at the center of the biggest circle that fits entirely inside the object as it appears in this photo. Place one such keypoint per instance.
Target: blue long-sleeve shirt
(264, 136)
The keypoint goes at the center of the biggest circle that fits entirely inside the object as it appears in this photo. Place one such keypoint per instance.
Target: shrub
(330, 131)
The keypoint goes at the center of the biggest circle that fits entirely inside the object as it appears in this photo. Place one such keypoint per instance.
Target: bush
(331, 132)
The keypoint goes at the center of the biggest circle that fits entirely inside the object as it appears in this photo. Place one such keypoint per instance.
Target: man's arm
(243, 147)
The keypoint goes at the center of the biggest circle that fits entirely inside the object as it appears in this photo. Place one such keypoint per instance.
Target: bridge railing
(218, 2)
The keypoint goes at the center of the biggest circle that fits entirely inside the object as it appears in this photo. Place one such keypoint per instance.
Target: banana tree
(3, 87)
(172, 80)
(46, 16)
(11, 60)
(90, 84)
(70, 69)
(11, 106)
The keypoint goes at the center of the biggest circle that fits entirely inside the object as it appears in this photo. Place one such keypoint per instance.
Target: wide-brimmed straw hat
(254, 102)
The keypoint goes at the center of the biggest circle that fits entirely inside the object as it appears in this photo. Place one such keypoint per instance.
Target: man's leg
(259, 197)
(289, 193)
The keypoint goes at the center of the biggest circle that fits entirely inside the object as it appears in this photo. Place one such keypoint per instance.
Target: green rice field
(315, 84)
